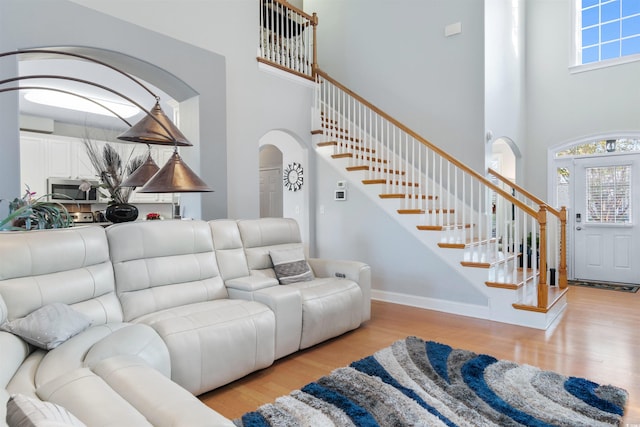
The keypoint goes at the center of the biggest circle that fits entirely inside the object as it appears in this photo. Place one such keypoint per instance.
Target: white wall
(395, 54)
(504, 73)
(256, 101)
(10, 185)
(563, 106)
(358, 229)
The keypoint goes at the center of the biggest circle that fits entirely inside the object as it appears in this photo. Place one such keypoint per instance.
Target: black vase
(121, 212)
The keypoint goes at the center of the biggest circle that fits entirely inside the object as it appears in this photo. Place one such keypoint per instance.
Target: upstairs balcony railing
(287, 38)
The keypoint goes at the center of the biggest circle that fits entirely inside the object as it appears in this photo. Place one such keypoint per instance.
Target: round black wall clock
(292, 177)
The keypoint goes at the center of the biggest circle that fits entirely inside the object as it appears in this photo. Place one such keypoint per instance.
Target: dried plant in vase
(112, 171)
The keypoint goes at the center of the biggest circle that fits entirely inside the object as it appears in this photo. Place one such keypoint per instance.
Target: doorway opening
(270, 182)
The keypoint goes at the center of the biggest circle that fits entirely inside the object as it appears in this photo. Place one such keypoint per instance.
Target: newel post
(562, 279)
(543, 290)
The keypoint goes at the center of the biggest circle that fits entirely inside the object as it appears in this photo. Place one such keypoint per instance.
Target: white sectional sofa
(161, 311)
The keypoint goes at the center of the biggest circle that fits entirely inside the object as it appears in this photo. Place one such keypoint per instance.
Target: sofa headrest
(153, 239)
(268, 232)
(69, 265)
(260, 236)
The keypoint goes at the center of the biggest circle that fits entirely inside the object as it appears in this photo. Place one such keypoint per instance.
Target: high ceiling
(91, 72)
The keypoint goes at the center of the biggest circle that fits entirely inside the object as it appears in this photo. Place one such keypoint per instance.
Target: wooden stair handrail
(530, 211)
(524, 192)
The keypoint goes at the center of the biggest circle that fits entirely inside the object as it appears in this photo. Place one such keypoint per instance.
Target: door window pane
(608, 195)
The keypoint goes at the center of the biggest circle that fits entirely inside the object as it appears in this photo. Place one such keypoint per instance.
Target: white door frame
(606, 234)
(553, 163)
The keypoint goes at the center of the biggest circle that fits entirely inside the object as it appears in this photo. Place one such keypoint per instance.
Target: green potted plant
(31, 213)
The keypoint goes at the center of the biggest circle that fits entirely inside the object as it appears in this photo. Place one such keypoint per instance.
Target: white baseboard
(524, 318)
(452, 307)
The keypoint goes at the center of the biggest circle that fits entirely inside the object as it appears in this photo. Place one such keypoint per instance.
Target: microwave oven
(66, 190)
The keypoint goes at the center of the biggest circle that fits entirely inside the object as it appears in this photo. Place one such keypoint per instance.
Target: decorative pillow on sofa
(290, 266)
(24, 411)
(49, 326)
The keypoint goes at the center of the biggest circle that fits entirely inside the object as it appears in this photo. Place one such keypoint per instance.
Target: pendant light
(175, 177)
(153, 128)
(142, 174)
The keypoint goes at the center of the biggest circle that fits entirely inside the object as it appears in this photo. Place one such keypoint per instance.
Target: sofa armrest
(14, 352)
(286, 304)
(251, 283)
(161, 401)
(357, 271)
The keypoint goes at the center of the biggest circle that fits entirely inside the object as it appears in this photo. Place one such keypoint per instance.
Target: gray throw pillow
(25, 411)
(290, 266)
(49, 326)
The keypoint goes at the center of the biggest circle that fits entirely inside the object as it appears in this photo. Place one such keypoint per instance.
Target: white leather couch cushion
(100, 342)
(213, 343)
(91, 400)
(161, 401)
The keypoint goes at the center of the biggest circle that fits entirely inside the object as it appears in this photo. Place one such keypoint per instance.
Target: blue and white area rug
(418, 383)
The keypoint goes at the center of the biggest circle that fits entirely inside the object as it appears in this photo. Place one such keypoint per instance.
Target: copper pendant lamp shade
(175, 177)
(149, 131)
(142, 175)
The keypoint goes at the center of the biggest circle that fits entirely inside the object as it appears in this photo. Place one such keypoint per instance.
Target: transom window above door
(606, 31)
(602, 146)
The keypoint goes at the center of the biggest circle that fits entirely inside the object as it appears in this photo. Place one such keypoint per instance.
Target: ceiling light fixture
(71, 102)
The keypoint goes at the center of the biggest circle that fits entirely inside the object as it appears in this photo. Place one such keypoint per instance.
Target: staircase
(503, 241)
(481, 227)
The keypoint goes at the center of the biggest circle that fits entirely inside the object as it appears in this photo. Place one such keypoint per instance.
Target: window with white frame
(607, 30)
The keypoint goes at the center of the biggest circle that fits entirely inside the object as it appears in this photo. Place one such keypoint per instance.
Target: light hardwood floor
(597, 338)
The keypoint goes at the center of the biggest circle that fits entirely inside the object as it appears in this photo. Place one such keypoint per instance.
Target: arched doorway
(504, 158)
(283, 150)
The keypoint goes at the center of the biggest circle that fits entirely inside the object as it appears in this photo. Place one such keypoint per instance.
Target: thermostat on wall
(340, 195)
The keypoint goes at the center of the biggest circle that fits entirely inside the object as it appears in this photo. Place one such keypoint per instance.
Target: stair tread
(423, 211)
(384, 181)
(359, 157)
(374, 169)
(403, 196)
(511, 282)
(349, 146)
(555, 294)
(468, 243)
(443, 227)
(488, 262)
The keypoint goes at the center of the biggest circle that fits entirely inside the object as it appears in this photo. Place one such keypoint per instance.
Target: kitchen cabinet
(44, 156)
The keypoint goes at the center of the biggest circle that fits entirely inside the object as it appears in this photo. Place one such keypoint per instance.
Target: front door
(607, 213)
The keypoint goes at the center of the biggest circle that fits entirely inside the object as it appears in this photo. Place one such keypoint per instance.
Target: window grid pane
(608, 194)
(609, 29)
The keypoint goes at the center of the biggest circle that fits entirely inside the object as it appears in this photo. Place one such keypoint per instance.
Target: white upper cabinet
(44, 156)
